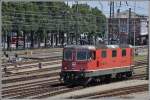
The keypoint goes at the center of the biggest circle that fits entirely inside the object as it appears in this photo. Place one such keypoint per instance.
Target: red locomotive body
(86, 63)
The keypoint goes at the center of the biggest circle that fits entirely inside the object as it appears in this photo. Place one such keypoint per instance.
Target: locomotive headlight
(65, 68)
(72, 75)
(82, 69)
(81, 74)
(76, 76)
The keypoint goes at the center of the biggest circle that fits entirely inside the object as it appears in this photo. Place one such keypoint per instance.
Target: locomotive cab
(76, 60)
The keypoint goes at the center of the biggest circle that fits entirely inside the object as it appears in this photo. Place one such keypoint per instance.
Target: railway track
(16, 92)
(41, 92)
(50, 93)
(37, 70)
(30, 77)
(44, 88)
(32, 61)
(126, 90)
(113, 92)
(22, 77)
(53, 93)
(47, 59)
(11, 67)
(34, 68)
(25, 84)
(140, 62)
(29, 66)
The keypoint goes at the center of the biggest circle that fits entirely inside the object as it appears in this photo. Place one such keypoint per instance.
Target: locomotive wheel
(107, 78)
(88, 80)
(102, 79)
(97, 80)
(119, 76)
(129, 74)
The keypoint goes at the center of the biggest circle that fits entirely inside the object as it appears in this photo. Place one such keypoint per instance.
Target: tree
(37, 19)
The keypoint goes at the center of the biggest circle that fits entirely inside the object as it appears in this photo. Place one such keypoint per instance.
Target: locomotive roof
(81, 46)
(97, 46)
(114, 46)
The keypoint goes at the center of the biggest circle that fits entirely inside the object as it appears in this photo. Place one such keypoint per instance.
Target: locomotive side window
(123, 52)
(81, 55)
(103, 55)
(67, 55)
(114, 53)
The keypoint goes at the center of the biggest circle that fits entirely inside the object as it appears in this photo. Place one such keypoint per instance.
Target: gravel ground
(134, 96)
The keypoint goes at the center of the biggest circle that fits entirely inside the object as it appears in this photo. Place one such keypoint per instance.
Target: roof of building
(125, 14)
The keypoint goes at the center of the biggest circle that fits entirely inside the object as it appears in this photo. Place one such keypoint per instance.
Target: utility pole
(111, 9)
(148, 56)
(67, 15)
(1, 30)
(76, 35)
(118, 11)
(134, 28)
(129, 31)
(110, 19)
(148, 70)
(107, 31)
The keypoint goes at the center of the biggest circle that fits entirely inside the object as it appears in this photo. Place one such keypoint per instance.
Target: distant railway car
(14, 40)
(84, 63)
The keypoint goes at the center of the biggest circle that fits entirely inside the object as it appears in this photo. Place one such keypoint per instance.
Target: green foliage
(41, 17)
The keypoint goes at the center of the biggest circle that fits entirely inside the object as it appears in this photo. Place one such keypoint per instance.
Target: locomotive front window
(67, 55)
(81, 55)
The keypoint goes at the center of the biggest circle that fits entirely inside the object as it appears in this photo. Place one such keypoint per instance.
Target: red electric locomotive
(83, 63)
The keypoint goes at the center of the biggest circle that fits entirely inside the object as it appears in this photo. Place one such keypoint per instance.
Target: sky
(140, 7)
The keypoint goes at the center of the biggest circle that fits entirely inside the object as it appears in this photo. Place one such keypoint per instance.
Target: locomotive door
(92, 59)
(124, 57)
(103, 58)
(114, 58)
(73, 62)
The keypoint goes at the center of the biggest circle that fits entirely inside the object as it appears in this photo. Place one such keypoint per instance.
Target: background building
(123, 26)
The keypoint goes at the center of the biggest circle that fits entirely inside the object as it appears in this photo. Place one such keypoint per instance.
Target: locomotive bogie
(73, 77)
